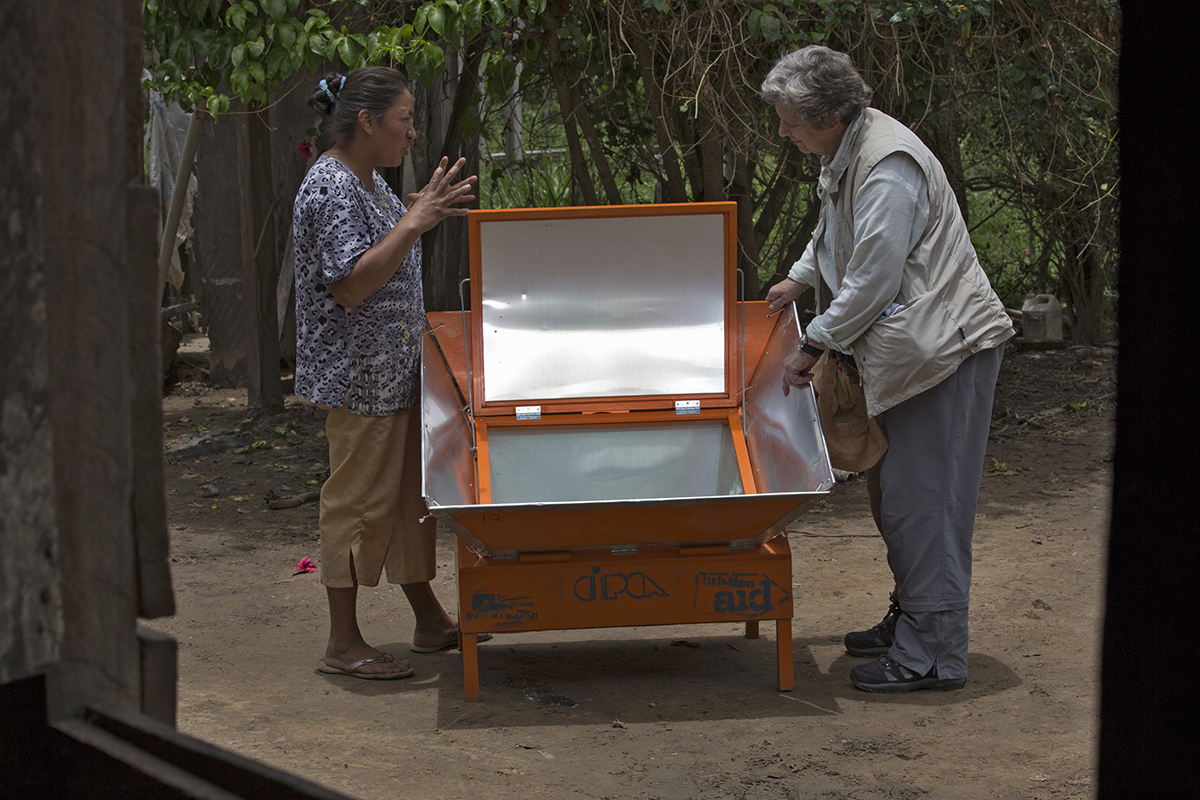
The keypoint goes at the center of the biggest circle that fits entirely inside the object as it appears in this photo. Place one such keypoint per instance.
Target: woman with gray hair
(904, 306)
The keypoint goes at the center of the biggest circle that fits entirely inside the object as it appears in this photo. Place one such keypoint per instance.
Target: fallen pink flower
(305, 565)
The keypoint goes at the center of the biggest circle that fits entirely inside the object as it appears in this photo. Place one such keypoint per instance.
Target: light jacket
(948, 309)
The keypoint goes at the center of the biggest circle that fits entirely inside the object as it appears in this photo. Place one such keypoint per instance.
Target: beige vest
(950, 310)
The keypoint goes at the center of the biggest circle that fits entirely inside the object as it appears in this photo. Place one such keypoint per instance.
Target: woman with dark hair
(360, 319)
(903, 302)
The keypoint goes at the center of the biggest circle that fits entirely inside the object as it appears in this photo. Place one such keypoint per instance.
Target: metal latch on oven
(529, 412)
(687, 406)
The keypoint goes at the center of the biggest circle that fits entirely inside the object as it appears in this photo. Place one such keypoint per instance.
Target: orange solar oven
(592, 437)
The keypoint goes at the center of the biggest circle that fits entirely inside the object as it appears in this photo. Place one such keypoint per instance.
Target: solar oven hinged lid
(604, 307)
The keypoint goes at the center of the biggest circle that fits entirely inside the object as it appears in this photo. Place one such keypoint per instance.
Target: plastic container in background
(1041, 318)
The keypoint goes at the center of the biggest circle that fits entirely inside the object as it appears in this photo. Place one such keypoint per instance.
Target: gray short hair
(818, 85)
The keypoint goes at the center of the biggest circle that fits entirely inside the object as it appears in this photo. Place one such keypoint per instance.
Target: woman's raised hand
(437, 200)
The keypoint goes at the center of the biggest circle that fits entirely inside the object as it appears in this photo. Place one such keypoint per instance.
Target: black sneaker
(886, 675)
(878, 640)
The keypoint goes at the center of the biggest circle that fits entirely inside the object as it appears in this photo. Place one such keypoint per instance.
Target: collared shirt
(365, 359)
(890, 213)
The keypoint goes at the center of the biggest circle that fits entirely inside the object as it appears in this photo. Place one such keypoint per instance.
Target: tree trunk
(712, 159)
(1082, 281)
(748, 241)
(217, 250)
(940, 135)
(438, 109)
(566, 104)
(667, 150)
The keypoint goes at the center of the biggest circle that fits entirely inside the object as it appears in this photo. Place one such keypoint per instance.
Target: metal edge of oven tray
(783, 435)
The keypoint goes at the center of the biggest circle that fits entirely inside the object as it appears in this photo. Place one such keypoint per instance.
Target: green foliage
(1000, 469)
(257, 444)
(543, 182)
(207, 51)
(201, 46)
(629, 97)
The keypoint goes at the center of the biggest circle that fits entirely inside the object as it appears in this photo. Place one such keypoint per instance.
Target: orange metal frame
(732, 417)
(600, 589)
(602, 586)
(727, 210)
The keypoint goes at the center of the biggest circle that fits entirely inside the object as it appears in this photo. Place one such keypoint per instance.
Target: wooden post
(260, 267)
(84, 192)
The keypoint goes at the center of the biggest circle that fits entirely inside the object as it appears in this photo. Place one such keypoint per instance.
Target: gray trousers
(924, 493)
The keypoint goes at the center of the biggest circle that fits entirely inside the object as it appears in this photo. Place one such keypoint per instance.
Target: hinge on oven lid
(529, 412)
(687, 406)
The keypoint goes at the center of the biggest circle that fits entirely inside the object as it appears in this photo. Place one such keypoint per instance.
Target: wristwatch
(809, 349)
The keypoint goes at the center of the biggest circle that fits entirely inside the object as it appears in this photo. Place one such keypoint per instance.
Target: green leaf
(346, 52)
(278, 60)
(473, 17)
(454, 29)
(236, 16)
(771, 29)
(1001, 469)
(497, 12)
(415, 61)
(437, 19)
(239, 79)
(287, 35)
(275, 8)
(237, 55)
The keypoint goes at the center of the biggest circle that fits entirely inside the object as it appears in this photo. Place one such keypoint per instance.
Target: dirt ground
(656, 712)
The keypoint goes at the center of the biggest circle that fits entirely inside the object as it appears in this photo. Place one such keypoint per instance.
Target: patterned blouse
(365, 359)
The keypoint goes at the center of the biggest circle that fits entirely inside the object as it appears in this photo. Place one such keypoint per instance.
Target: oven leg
(470, 653)
(783, 637)
(752, 629)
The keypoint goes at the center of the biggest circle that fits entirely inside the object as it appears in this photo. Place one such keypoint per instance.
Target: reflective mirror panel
(783, 434)
(448, 456)
(612, 462)
(603, 307)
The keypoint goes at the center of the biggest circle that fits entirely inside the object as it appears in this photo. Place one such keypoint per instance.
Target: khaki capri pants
(371, 504)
